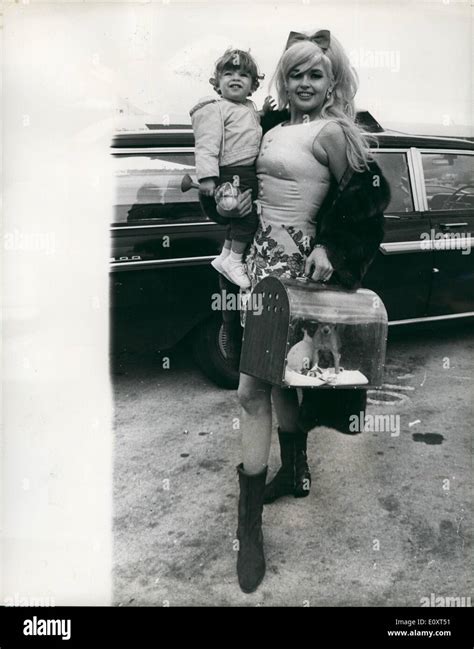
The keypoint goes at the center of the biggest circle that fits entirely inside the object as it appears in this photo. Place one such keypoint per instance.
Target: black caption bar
(234, 628)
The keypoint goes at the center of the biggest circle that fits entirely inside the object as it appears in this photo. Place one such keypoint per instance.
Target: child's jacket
(225, 133)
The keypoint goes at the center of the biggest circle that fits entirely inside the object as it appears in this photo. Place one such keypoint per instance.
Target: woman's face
(307, 90)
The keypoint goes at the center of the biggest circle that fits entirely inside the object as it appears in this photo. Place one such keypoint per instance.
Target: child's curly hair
(236, 60)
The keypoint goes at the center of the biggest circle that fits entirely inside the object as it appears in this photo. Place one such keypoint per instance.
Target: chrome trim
(389, 150)
(161, 262)
(445, 243)
(188, 224)
(162, 128)
(151, 131)
(376, 150)
(404, 247)
(157, 149)
(130, 151)
(431, 245)
(420, 203)
(452, 138)
(455, 151)
(391, 216)
(149, 150)
(452, 316)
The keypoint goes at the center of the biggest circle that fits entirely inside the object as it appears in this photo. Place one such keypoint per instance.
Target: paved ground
(388, 518)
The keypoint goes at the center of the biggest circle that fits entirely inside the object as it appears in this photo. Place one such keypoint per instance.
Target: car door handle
(391, 216)
(447, 226)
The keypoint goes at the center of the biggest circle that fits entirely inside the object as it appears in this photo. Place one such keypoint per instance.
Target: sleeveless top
(292, 185)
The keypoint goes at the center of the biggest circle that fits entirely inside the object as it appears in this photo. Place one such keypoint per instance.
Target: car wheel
(209, 352)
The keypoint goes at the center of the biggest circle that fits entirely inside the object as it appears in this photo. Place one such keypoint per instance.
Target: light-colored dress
(292, 187)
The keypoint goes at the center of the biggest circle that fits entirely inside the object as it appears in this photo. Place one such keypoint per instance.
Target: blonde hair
(340, 104)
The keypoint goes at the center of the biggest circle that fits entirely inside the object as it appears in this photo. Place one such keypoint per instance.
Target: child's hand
(244, 206)
(269, 105)
(207, 187)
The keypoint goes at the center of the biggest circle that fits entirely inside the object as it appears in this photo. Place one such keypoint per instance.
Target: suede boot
(250, 558)
(293, 477)
(302, 473)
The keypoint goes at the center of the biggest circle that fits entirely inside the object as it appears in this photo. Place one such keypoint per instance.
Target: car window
(449, 181)
(395, 170)
(148, 188)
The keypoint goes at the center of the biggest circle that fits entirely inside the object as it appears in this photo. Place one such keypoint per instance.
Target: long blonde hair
(339, 105)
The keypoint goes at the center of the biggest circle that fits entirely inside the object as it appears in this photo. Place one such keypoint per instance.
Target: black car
(162, 282)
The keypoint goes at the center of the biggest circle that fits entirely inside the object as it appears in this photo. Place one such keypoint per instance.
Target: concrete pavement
(388, 521)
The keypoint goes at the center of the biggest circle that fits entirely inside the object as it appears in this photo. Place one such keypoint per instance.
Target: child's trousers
(244, 229)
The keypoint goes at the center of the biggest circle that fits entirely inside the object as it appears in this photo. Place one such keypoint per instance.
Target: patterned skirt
(279, 250)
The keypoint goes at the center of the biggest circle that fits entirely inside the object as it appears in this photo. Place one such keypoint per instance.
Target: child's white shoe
(217, 264)
(235, 272)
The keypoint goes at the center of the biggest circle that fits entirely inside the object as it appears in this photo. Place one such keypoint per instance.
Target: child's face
(235, 84)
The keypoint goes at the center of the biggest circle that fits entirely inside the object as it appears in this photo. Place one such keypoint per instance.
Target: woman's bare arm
(329, 148)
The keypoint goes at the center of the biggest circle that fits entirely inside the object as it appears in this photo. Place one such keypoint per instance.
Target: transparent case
(299, 333)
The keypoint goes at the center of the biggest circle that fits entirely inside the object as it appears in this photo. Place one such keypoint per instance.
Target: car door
(162, 245)
(449, 201)
(401, 273)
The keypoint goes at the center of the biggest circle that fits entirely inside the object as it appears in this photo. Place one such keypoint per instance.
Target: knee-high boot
(293, 477)
(251, 558)
(302, 472)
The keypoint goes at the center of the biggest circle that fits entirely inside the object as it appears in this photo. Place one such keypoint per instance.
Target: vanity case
(300, 333)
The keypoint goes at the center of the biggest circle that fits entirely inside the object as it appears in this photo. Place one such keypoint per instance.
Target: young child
(227, 136)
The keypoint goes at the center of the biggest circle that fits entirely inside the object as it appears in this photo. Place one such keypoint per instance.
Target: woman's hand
(244, 206)
(317, 266)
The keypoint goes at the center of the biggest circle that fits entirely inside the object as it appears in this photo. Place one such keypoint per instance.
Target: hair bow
(322, 39)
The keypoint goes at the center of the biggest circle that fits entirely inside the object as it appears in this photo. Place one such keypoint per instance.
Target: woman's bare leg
(286, 405)
(255, 423)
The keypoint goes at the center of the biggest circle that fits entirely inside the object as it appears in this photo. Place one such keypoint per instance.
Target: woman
(309, 166)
